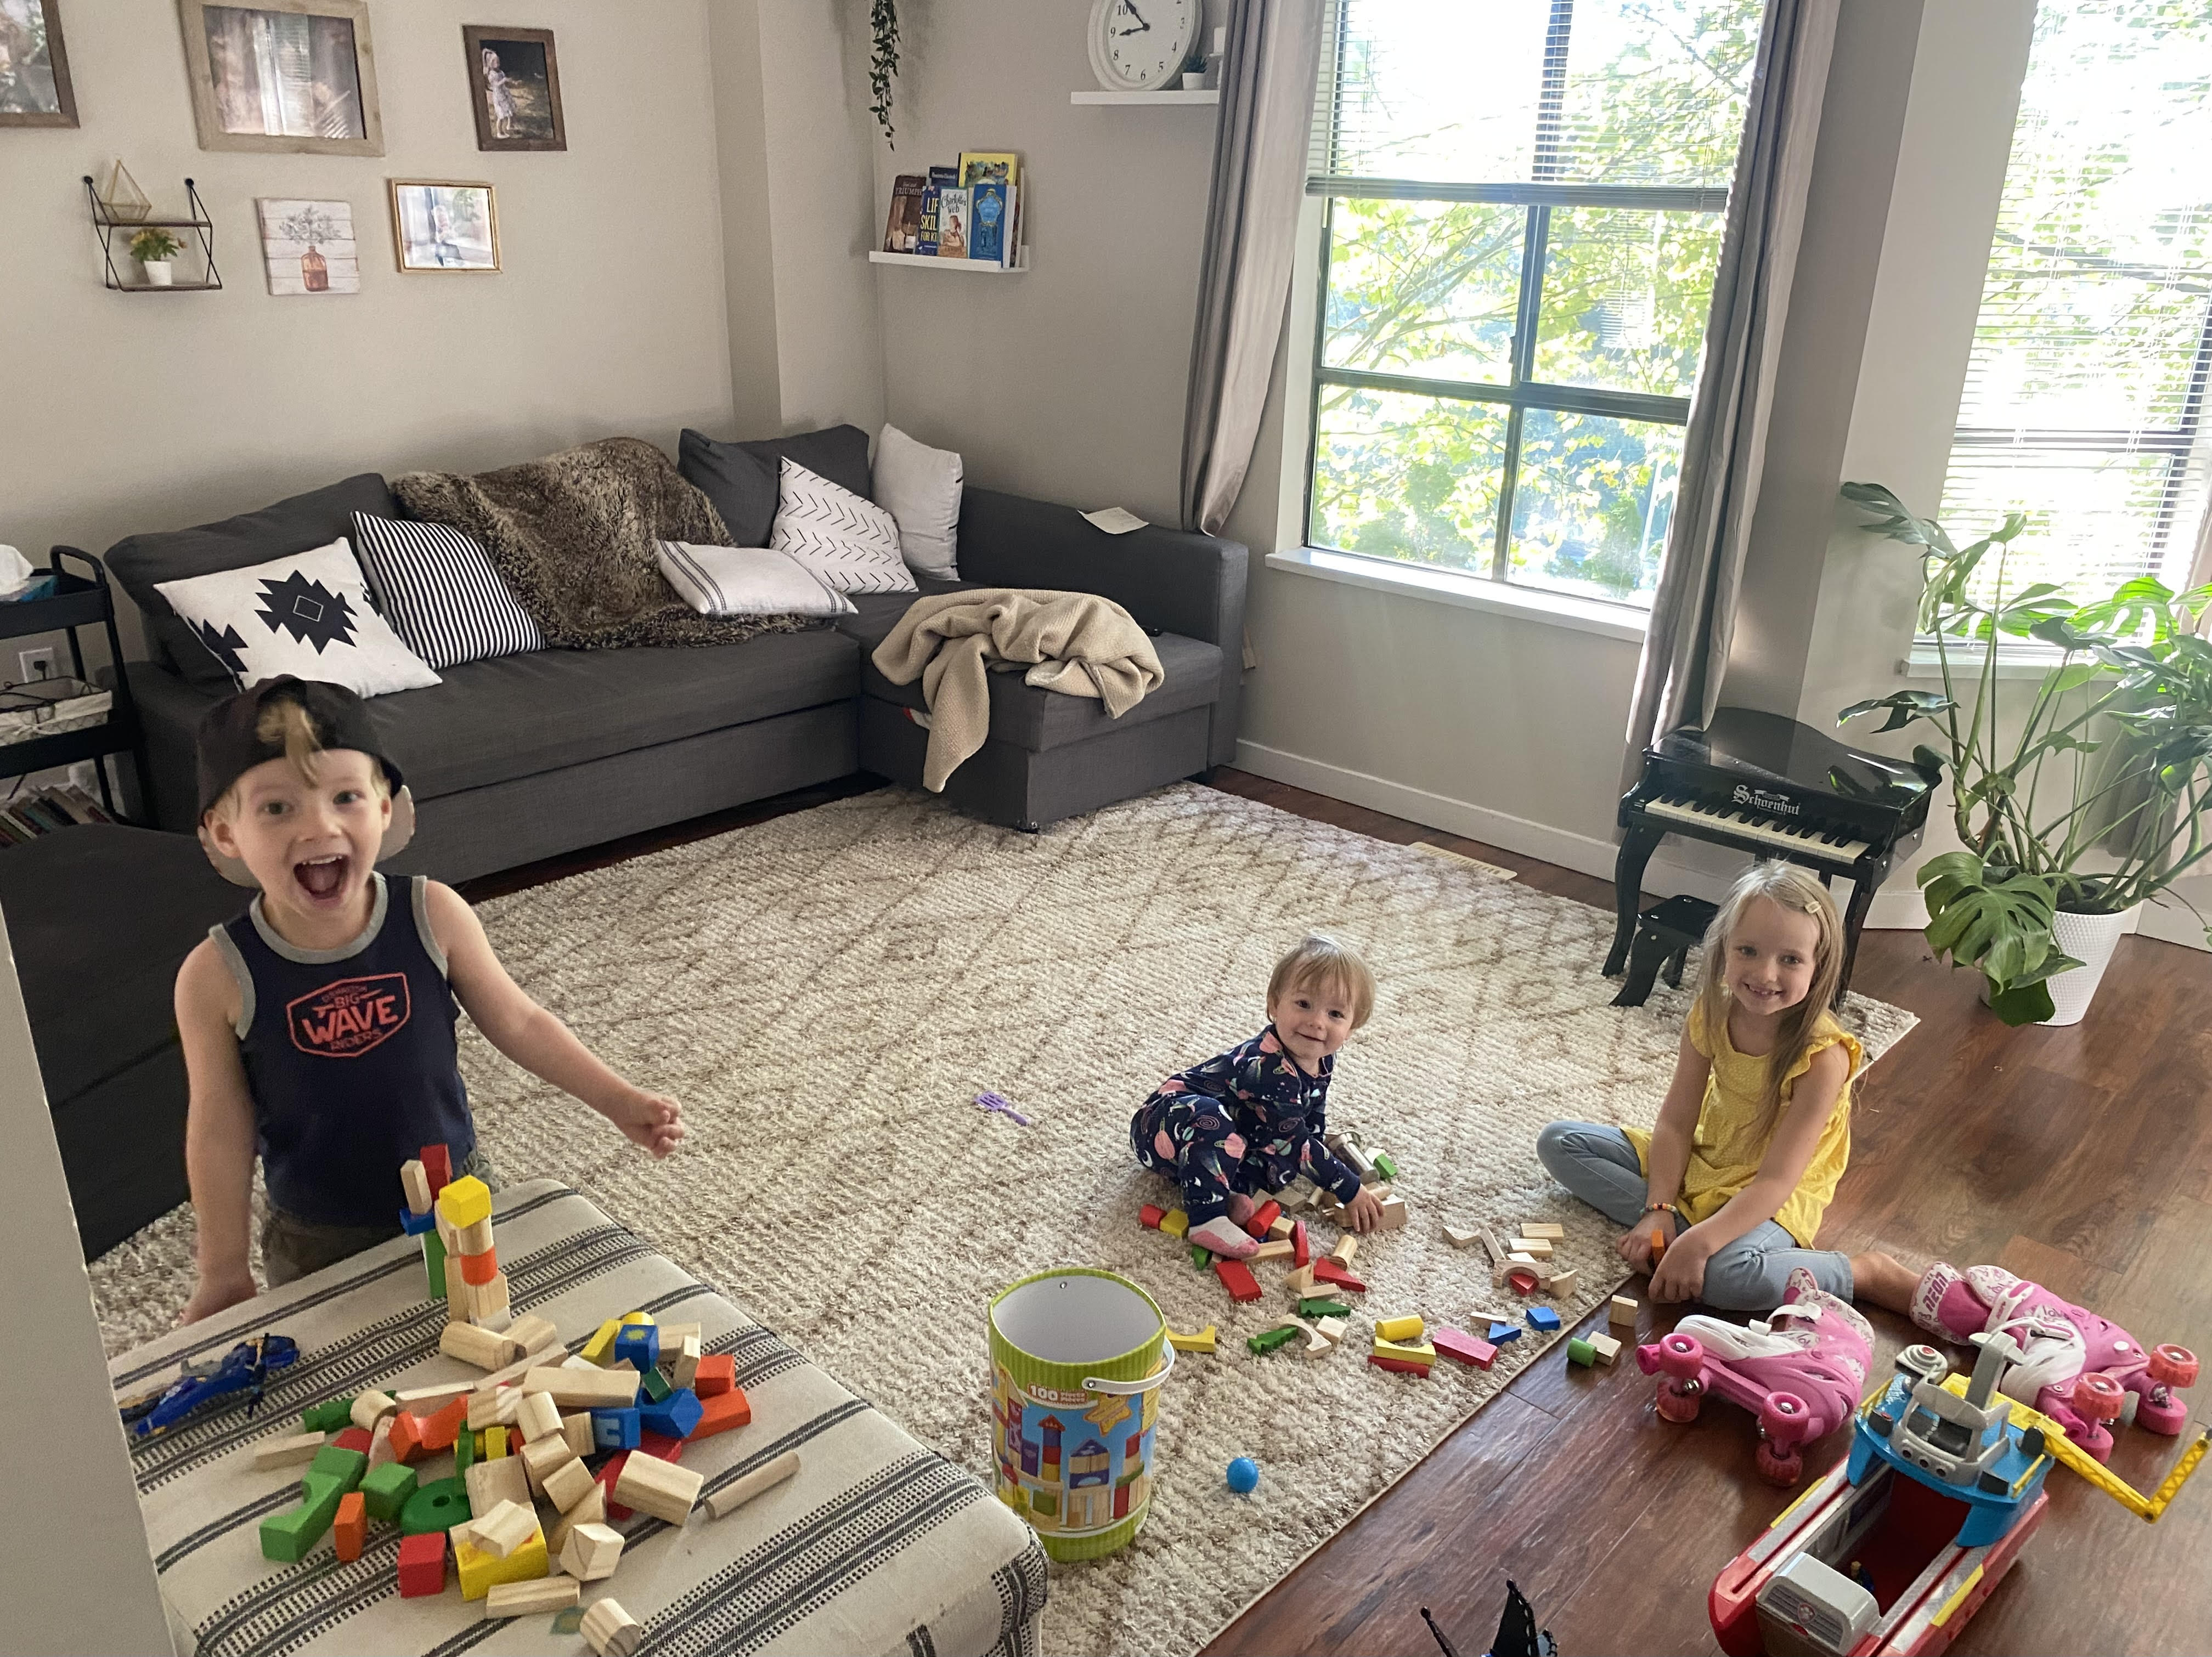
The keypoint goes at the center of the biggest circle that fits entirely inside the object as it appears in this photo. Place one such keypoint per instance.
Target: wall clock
(1141, 45)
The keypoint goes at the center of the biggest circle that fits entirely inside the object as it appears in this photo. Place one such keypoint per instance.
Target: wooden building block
(1534, 1247)
(1176, 1223)
(527, 1598)
(416, 1184)
(601, 1346)
(1606, 1347)
(1407, 1327)
(553, 1355)
(1424, 1353)
(380, 1450)
(1332, 1330)
(465, 1201)
(1263, 1217)
(385, 1489)
(1559, 1283)
(1459, 1239)
(533, 1333)
(1317, 1345)
(438, 1166)
(507, 1526)
(1346, 1249)
(591, 1510)
(1150, 1216)
(577, 1429)
(1279, 1250)
(482, 1348)
(1549, 1230)
(481, 1572)
(286, 1452)
(1393, 1217)
(1621, 1314)
(609, 1631)
(718, 1373)
(1400, 1366)
(350, 1530)
(721, 1413)
(657, 1487)
(1301, 1244)
(538, 1417)
(592, 1552)
(1203, 1341)
(434, 1396)
(490, 1483)
(430, 1434)
(1281, 1229)
(570, 1484)
(541, 1459)
(673, 1335)
(1300, 1282)
(371, 1407)
(1237, 1279)
(352, 1439)
(495, 1443)
(473, 1242)
(685, 1370)
(1335, 1273)
(1462, 1347)
(727, 1500)
(586, 1389)
(1270, 1339)
(422, 1565)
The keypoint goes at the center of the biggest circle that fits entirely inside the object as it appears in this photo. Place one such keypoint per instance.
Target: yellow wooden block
(481, 1572)
(495, 1443)
(1424, 1353)
(601, 1346)
(1175, 1223)
(465, 1201)
(1201, 1342)
(1409, 1327)
(635, 1319)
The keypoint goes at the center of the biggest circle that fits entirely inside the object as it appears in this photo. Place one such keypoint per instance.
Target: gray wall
(130, 412)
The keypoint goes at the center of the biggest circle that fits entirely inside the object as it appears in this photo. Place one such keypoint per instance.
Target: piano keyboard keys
(1828, 846)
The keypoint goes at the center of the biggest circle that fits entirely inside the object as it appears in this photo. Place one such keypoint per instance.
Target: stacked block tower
(460, 1259)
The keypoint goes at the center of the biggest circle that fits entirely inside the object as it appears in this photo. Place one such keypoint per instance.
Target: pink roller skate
(2061, 1344)
(1800, 1371)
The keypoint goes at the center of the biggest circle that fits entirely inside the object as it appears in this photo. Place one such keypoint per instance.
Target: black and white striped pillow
(843, 540)
(438, 591)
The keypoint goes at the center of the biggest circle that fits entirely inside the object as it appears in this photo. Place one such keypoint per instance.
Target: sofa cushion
(141, 562)
(1023, 714)
(517, 716)
(741, 479)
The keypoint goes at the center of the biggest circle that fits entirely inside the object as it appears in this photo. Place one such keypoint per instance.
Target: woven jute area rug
(827, 993)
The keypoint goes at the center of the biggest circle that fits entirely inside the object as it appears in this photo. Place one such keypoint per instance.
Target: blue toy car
(245, 1369)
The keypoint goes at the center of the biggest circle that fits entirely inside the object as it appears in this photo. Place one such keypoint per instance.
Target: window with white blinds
(1525, 201)
(2084, 403)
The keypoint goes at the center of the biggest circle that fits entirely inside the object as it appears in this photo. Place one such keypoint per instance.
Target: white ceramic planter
(2090, 940)
(159, 272)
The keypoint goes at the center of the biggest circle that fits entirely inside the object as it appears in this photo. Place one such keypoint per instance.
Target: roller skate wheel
(2172, 1366)
(1785, 1418)
(1780, 1466)
(2098, 1397)
(1678, 1406)
(1682, 1356)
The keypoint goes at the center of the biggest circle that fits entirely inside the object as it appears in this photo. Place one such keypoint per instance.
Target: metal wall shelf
(106, 223)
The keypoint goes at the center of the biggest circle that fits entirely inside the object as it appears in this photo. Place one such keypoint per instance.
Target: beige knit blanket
(1079, 644)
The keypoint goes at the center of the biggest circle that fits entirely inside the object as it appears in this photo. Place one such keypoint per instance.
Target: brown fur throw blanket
(573, 535)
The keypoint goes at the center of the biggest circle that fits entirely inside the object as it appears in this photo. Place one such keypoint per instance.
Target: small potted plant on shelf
(2087, 798)
(153, 247)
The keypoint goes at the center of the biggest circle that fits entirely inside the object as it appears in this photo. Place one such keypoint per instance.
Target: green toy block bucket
(1076, 1360)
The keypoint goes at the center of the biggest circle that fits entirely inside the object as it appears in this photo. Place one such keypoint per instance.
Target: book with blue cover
(933, 190)
(990, 221)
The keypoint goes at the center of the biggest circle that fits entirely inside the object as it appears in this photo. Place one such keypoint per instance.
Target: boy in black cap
(318, 1026)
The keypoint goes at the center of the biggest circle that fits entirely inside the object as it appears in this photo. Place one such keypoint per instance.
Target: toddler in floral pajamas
(1254, 1119)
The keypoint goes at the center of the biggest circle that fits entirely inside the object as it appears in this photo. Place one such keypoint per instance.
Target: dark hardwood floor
(2080, 1157)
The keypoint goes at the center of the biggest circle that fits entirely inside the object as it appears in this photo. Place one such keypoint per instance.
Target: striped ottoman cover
(878, 1545)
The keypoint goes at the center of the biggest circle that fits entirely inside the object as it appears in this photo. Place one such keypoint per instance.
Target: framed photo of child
(440, 225)
(514, 84)
(34, 77)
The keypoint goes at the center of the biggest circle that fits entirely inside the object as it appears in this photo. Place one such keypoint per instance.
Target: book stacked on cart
(969, 211)
(33, 813)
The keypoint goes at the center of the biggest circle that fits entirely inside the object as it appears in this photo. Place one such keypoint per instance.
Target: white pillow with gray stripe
(437, 588)
(847, 544)
(746, 581)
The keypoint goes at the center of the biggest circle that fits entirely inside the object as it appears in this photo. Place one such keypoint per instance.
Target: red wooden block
(717, 1373)
(1263, 1216)
(423, 1563)
(437, 1168)
(1237, 1277)
(1524, 1282)
(655, 1444)
(1329, 1270)
(1454, 1343)
(1301, 1249)
(1402, 1366)
(354, 1438)
(350, 1533)
(722, 1412)
(1152, 1214)
(478, 1269)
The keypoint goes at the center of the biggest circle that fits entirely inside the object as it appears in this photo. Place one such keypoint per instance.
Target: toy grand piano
(1896, 1548)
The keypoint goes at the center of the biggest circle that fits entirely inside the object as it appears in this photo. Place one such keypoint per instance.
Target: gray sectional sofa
(524, 757)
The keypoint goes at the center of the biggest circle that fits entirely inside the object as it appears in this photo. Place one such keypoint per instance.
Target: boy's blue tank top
(350, 1058)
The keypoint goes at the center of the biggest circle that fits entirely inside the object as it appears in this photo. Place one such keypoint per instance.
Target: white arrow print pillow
(847, 544)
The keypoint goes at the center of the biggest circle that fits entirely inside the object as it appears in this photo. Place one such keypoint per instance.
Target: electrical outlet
(37, 663)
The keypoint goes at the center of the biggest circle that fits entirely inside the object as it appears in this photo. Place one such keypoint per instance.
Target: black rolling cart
(78, 600)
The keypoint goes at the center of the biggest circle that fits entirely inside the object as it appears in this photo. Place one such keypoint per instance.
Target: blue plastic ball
(1243, 1475)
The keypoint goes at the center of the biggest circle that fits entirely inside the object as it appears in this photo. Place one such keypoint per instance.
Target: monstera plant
(2079, 793)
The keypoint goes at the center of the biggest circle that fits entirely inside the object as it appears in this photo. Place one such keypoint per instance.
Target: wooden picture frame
(63, 113)
(416, 243)
(514, 87)
(226, 96)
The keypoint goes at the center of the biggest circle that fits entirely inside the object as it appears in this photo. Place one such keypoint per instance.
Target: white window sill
(2014, 661)
(1445, 586)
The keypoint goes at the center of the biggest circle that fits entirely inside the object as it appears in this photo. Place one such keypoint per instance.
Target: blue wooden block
(675, 1416)
(1543, 1318)
(616, 1429)
(1502, 1332)
(638, 1345)
(414, 1225)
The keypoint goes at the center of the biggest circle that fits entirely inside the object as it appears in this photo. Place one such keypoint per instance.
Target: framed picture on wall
(308, 246)
(440, 224)
(35, 77)
(292, 77)
(515, 85)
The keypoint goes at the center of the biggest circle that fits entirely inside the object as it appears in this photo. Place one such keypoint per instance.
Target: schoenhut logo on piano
(1760, 800)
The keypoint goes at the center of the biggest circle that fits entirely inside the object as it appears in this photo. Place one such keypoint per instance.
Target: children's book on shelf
(989, 167)
(990, 222)
(953, 206)
(933, 191)
(903, 231)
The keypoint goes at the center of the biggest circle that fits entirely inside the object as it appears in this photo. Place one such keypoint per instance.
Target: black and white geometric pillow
(847, 544)
(306, 614)
(438, 589)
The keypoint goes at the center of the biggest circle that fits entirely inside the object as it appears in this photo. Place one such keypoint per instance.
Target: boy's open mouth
(321, 878)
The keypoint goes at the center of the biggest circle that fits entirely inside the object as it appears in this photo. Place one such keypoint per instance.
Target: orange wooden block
(439, 1431)
(718, 1373)
(407, 1438)
(350, 1534)
(722, 1412)
(477, 1270)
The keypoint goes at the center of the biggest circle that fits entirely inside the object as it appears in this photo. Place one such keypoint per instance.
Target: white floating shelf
(1176, 97)
(931, 262)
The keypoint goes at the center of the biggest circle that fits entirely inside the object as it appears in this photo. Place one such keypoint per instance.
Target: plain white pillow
(746, 581)
(307, 614)
(843, 540)
(920, 486)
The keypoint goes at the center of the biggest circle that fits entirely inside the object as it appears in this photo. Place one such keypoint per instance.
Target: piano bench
(1665, 934)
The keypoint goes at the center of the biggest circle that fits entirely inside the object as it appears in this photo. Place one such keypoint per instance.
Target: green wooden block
(657, 1386)
(287, 1535)
(437, 1506)
(1201, 1257)
(336, 1461)
(1270, 1340)
(465, 1450)
(570, 1621)
(1385, 1166)
(385, 1491)
(332, 1415)
(1581, 1351)
(1323, 1309)
(434, 1264)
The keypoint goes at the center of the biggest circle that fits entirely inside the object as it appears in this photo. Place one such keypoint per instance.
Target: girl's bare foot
(1886, 1282)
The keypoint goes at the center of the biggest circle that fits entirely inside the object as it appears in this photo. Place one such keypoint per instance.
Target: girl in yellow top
(1755, 1129)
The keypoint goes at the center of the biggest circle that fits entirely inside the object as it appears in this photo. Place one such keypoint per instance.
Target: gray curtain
(1693, 613)
(1274, 53)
